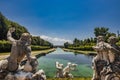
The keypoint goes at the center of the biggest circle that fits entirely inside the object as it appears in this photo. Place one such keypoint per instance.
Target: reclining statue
(19, 49)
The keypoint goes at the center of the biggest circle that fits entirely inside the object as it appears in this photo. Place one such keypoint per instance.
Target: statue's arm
(57, 65)
(9, 35)
(95, 48)
(113, 49)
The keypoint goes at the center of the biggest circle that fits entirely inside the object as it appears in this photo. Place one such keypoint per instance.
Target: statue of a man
(105, 52)
(102, 49)
(19, 49)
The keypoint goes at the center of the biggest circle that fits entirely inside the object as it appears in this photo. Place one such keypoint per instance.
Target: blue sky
(63, 20)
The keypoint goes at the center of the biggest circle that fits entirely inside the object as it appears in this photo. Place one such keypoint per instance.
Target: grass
(6, 54)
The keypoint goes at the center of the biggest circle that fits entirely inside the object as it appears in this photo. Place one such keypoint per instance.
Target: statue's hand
(95, 48)
(12, 30)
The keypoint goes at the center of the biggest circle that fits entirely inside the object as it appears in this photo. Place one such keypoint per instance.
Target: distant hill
(5, 24)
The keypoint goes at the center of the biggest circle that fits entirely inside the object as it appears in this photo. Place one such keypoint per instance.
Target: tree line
(37, 43)
(87, 44)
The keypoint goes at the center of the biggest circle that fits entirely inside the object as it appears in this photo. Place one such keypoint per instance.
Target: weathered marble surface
(106, 64)
(64, 72)
(17, 66)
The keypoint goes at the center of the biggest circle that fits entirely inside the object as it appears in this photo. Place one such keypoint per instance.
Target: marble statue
(73, 66)
(112, 41)
(10, 76)
(102, 55)
(19, 76)
(106, 60)
(27, 67)
(19, 49)
(3, 64)
(59, 73)
(39, 75)
(17, 66)
(34, 64)
(65, 72)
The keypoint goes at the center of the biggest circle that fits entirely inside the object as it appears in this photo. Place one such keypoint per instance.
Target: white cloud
(55, 40)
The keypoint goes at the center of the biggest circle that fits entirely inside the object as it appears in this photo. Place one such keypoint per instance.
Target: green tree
(76, 42)
(101, 31)
(5, 24)
(66, 44)
(3, 27)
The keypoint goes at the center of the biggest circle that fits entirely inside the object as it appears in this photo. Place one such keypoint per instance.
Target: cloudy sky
(59, 21)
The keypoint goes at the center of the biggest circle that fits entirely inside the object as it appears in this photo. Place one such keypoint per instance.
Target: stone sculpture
(27, 67)
(59, 72)
(17, 66)
(3, 64)
(19, 49)
(65, 72)
(106, 63)
(40, 75)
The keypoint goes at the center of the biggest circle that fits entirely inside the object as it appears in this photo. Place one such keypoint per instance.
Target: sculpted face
(25, 37)
(100, 38)
(112, 40)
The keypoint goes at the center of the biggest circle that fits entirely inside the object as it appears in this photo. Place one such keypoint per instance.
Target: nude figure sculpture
(19, 49)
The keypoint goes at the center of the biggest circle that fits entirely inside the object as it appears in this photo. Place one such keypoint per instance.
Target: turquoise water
(47, 63)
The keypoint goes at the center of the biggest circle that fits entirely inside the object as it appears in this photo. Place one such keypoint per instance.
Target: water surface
(47, 63)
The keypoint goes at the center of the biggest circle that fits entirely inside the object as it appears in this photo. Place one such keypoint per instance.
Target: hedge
(39, 47)
(83, 48)
(5, 46)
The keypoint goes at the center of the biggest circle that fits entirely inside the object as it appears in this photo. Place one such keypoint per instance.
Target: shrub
(5, 46)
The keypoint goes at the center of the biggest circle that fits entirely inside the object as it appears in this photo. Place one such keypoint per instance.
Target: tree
(36, 40)
(5, 24)
(101, 31)
(3, 27)
(76, 42)
(66, 44)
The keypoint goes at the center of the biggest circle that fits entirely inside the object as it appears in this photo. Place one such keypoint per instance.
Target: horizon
(59, 21)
